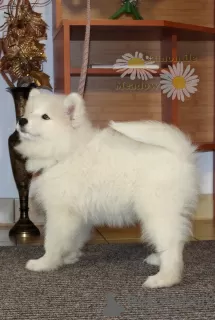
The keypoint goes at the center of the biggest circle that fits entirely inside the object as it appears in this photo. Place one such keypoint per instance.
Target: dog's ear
(75, 108)
(34, 92)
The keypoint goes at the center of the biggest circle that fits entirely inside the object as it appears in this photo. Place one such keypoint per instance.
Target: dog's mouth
(25, 134)
(23, 130)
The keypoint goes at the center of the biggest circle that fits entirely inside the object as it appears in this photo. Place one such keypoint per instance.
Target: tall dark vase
(24, 227)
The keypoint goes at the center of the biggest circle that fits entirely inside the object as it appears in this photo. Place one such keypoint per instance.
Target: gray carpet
(106, 284)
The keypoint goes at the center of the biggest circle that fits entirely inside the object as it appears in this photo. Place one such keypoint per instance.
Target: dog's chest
(37, 184)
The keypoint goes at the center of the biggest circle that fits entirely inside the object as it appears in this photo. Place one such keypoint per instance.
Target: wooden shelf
(183, 31)
(139, 23)
(204, 147)
(95, 71)
(105, 72)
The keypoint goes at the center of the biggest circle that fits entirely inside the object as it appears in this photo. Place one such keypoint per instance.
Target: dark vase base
(24, 228)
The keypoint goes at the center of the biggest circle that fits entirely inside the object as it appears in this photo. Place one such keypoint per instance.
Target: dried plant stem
(17, 8)
(5, 77)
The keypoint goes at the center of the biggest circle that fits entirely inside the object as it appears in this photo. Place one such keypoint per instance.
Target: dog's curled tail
(157, 133)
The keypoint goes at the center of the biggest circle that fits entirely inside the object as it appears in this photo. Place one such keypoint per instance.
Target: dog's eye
(45, 117)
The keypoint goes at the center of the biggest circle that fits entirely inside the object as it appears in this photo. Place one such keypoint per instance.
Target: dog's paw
(161, 281)
(153, 259)
(41, 265)
(72, 258)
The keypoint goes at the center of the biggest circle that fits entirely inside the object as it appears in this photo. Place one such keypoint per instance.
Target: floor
(203, 230)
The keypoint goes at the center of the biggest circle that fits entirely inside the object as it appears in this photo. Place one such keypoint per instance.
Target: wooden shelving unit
(177, 32)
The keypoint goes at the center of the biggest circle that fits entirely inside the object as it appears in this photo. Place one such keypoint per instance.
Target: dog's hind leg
(63, 229)
(167, 229)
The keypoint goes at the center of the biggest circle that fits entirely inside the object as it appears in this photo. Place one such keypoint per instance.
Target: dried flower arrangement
(21, 53)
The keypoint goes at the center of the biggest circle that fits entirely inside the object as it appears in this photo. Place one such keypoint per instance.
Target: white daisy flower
(136, 66)
(178, 82)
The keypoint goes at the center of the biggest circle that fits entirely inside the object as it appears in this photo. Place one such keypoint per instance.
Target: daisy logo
(136, 66)
(178, 82)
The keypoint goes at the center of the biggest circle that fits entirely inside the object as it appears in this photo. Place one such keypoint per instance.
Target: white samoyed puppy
(130, 172)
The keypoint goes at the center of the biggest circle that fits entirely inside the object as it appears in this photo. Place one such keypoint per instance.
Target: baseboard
(9, 210)
(205, 207)
(6, 211)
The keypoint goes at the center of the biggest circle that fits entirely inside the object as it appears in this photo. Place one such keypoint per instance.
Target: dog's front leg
(62, 228)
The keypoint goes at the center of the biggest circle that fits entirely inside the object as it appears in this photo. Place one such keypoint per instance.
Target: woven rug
(106, 284)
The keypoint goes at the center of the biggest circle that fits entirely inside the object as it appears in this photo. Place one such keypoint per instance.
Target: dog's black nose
(23, 122)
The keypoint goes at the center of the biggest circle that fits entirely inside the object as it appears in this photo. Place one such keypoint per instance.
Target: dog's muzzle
(23, 122)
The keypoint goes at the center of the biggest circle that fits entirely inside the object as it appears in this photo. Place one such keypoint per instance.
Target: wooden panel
(58, 54)
(195, 116)
(204, 230)
(106, 72)
(113, 98)
(127, 234)
(143, 24)
(61, 52)
(196, 113)
(169, 56)
(191, 11)
(107, 52)
(57, 14)
(206, 147)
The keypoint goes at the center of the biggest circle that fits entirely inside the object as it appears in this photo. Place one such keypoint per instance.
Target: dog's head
(48, 116)
(52, 125)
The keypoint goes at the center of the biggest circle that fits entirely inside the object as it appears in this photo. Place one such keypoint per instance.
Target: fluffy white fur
(127, 173)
